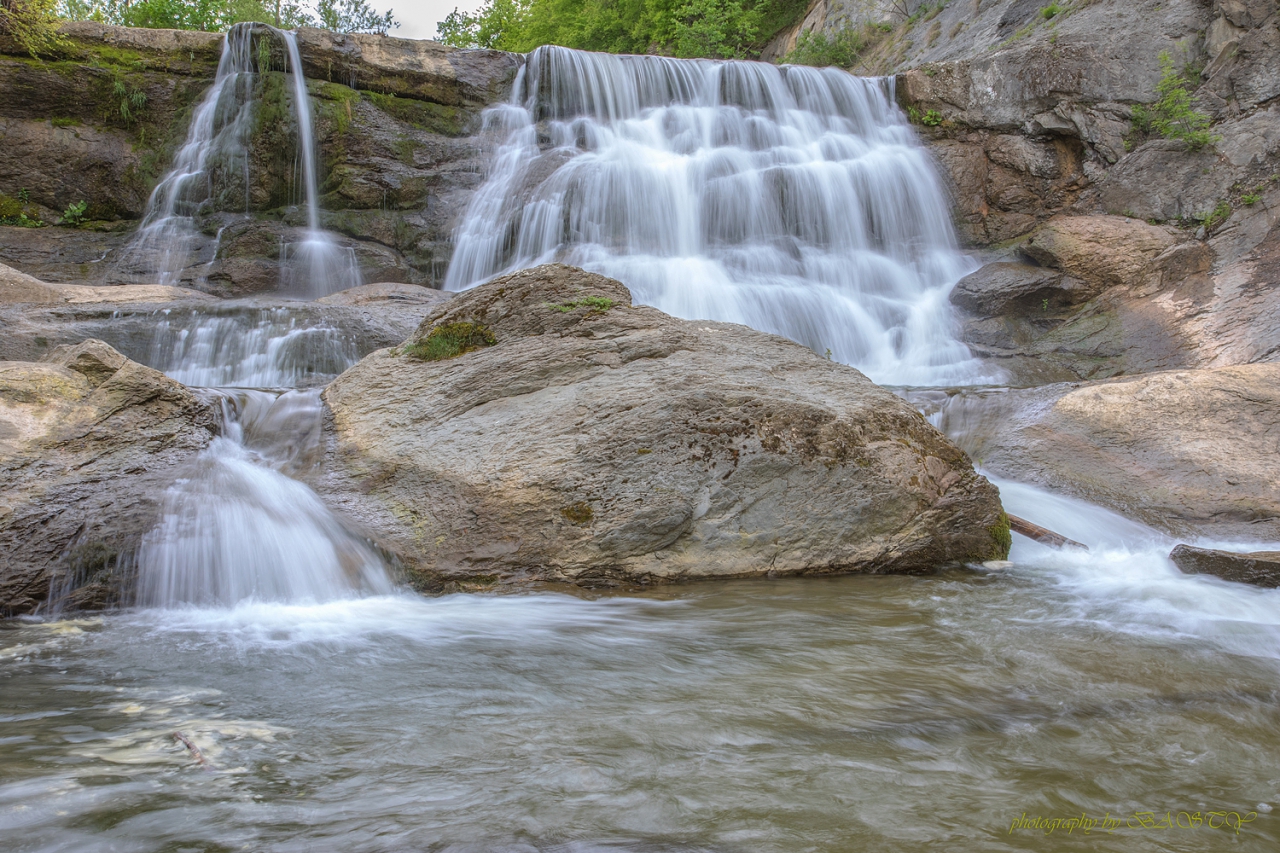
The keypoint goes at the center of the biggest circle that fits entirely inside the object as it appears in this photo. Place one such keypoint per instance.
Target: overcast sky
(418, 17)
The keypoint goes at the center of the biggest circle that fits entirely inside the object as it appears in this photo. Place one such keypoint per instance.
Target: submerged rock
(1260, 568)
(540, 426)
(89, 441)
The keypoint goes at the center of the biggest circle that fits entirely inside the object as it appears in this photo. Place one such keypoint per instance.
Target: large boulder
(1194, 452)
(579, 438)
(1102, 251)
(89, 441)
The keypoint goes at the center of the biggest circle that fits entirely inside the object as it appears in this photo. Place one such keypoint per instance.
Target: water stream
(336, 712)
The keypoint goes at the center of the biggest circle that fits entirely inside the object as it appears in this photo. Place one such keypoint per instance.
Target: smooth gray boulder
(597, 442)
(1192, 452)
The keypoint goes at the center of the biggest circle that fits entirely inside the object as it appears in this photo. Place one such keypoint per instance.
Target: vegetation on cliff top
(685, 28)
(346, 16)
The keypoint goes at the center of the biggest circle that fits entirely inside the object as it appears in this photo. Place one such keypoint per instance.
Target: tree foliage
(686, 28)
(345, 16)
(1172, 115)
(33, 24)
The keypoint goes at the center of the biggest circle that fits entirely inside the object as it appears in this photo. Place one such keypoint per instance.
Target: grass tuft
(450, 341)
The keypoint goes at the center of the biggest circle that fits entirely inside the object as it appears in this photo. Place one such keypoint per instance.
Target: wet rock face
(1187, 451)
(1260, 568)
(89, 441)
(578, 438)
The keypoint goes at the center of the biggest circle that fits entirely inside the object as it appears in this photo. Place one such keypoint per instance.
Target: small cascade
(794, 200)
(240, 530)
(273, 350)
(315, 266)
(169, 242)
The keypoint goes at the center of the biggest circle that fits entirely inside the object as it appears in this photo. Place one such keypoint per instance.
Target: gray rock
(1187, 451)
(1260, 568)
(89, 441)
(1004, 287)
(601, 442)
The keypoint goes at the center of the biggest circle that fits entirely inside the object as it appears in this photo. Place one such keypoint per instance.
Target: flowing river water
(327, 710)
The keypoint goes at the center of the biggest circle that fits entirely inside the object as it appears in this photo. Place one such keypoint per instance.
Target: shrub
(451, 340)
(1213, 218)
(1051, 11)
(820, 50)
(1172, 116)
(33, 24)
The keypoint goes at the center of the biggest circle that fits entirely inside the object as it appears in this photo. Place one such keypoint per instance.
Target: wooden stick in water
(193, 749)
(1042, 534)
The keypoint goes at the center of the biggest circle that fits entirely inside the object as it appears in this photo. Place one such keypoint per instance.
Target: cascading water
(169, 241)
(271, 350)
(794, 200)
(238, 530)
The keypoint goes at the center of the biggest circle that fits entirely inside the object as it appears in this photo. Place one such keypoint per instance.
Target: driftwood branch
(1042, 534)
(193, 749)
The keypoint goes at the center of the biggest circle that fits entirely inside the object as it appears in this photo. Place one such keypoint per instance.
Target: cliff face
(396, 122)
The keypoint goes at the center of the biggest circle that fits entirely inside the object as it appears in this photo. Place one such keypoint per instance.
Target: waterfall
(794, 200)
(316, 266)
(168, 238)
(169, 241)
(238, 529)
(272, 350)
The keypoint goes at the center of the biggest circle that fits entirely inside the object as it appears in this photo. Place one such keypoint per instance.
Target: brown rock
(1260, 568)
(596, 441)
(1188, 451)
(89, 441)
(1102, 251)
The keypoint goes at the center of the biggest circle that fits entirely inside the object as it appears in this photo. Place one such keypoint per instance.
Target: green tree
(33, 24)
(1172, 115)
(353, 16)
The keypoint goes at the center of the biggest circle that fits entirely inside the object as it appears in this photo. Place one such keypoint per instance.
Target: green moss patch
(1002, 537)
(578, 513)
(424, 115)
(595, 303)
(450, 341)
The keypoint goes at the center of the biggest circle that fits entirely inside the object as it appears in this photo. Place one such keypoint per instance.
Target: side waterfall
(794, 200)
(169, 242)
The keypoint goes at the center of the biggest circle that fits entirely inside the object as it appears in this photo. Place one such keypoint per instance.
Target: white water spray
(794, 200)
